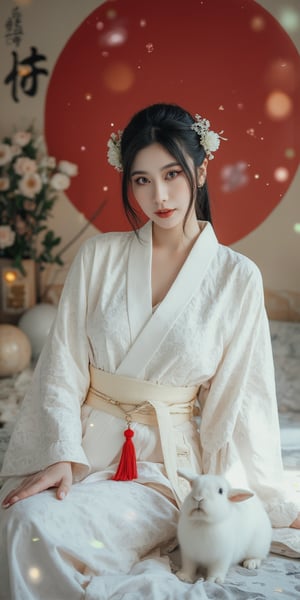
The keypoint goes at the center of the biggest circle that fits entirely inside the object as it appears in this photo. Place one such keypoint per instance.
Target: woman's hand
(296, 524)
(58, 476)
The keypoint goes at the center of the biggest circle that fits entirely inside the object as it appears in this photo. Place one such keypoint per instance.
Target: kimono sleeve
(48, 429)
(239, 428)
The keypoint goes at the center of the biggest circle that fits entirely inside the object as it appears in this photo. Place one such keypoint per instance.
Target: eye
(140, 180)
(220, 490)
(173, 174)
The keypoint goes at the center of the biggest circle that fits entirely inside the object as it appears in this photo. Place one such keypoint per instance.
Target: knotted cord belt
(145, 402)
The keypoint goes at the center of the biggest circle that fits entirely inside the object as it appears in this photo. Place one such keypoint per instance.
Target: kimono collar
(149, 329)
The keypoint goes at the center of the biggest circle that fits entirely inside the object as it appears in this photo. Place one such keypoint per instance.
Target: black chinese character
(26, 73)
(14, 30)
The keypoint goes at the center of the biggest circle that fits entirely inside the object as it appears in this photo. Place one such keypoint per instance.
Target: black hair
(170, 126)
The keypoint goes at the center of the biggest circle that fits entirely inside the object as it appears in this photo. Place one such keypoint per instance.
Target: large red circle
(229, 61)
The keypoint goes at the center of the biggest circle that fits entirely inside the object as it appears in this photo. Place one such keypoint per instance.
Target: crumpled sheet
(278, 577)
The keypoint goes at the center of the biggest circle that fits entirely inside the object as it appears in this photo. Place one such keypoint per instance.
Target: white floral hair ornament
(210, 140)
(114, 150)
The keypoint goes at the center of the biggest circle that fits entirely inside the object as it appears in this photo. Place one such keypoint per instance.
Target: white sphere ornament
(36, 322)
(15, 350)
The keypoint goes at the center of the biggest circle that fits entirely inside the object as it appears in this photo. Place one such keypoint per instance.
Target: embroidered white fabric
(221, 340)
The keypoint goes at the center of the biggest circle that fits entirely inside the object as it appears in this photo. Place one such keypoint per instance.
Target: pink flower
(25, 165)
(22, 138)
(30, 185)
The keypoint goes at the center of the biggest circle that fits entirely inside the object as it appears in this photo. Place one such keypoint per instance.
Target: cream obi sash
(135, 400)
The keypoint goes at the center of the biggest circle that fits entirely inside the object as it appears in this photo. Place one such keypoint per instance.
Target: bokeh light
(290, 153)
(281, 174)
(118, 77)
(234, 176)
(24, 70)
(114, 37)
(150, 47)
(111, 14)
(96, 544)
(257, 23)
(278, 105)
(34, 574)
(10, 276)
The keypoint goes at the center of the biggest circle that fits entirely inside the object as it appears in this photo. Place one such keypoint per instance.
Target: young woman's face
(160, 186)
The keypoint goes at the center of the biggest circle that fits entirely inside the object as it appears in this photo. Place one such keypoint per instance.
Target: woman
(150, 324)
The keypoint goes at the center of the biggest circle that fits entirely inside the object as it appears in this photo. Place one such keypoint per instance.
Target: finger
(26, 489)
(14, 493)
(64, 487)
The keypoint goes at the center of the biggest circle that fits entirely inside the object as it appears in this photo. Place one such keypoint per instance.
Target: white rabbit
(217, 529)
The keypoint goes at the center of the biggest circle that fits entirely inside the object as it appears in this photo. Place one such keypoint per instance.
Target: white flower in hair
(210, 140)
(114, 150)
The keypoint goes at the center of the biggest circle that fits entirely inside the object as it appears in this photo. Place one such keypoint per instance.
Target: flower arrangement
(30, 182)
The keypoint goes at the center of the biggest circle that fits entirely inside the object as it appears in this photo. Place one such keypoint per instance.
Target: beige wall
(274, 245)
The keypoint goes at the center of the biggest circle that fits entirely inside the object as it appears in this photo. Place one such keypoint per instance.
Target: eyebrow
(172, 164)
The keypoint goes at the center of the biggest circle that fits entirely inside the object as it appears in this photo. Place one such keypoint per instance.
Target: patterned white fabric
(220, 340)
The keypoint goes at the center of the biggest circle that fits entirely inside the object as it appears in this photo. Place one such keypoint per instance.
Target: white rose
(30, 185)
(24, 165)
(60, 181)
(22, 138)
(5, 154)
(68, 168)
(7, 236)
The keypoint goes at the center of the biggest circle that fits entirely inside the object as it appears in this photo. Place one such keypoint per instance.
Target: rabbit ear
(236, 495)
(188, 475)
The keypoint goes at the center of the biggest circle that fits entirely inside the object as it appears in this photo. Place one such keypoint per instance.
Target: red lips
(164, 214)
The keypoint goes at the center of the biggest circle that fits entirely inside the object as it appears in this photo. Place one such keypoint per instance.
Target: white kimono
(211, 330)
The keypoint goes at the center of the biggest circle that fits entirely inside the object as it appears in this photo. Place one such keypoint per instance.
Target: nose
(198, 499)
(160, 192)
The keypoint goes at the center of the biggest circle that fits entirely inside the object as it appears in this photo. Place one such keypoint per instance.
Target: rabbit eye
(220, 490)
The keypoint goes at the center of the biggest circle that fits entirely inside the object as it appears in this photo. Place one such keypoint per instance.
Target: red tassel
(127, 468)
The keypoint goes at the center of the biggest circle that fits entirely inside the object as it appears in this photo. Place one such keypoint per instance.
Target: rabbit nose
(198, 499)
